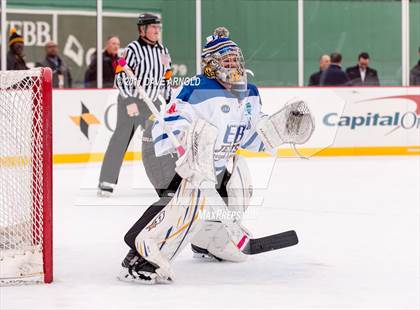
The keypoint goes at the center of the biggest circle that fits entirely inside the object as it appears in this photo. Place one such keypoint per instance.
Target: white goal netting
(23, 175)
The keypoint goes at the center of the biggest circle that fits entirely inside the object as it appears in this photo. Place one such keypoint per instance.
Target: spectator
(362, 74)
(109, 61)
(415, 74)
(61, 73)
(324, 62)
(15, 56)
(334, 75)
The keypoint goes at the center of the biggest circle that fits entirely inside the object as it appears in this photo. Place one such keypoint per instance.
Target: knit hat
(14, 37)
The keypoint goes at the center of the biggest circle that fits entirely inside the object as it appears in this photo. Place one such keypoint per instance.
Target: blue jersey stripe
(165, 136)
(173, 118)
(249, 142)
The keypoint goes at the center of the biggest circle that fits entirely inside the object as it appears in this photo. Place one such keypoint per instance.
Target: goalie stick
(255, 245)
(271, 243)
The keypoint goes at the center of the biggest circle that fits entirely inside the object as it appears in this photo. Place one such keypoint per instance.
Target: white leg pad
(223, 240)
(172, 228)
(239, 187)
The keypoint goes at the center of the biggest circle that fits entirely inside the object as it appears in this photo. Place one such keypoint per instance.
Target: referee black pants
(124, 131)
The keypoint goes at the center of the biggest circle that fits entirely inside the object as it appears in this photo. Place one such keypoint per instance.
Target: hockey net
(25, 176)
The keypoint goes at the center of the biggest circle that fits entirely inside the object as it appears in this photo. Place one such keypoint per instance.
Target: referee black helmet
(147, 19)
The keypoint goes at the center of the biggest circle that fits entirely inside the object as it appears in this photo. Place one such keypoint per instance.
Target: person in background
(109, 61)
(61, 73)
(324, 62)
(334, 75)
(15, 56)
(362, 74)
(150, 62)
(415, 73)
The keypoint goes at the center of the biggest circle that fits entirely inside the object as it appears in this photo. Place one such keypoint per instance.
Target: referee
(150, 62)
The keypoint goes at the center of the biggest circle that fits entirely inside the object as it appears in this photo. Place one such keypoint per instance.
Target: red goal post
(26, 176)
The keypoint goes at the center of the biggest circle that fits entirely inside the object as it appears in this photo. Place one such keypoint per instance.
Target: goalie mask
(222, 59)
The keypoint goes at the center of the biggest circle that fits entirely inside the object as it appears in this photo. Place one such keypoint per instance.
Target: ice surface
(357, 220)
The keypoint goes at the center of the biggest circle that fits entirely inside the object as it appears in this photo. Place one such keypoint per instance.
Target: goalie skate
(137, 276)
(135, 269)
(203, 254)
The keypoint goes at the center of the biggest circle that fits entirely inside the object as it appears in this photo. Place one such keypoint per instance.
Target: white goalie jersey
(207, 99)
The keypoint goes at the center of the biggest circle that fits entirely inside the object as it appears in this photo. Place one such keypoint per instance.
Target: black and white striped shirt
(148, 63)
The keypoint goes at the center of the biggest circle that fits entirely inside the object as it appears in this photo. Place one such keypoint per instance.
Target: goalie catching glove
(197, 164)
(292, 124)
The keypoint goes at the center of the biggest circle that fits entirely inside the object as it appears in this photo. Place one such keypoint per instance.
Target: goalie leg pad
(239, 188)
(171, 229)
(224, 241)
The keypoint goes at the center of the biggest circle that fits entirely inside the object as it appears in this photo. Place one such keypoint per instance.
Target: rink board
(349, 122)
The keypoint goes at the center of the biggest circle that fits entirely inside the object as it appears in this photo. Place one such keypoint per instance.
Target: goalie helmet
(222, 59)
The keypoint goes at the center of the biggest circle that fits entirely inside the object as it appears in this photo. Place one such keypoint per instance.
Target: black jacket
(58, 68)
(15, 62)
(371, 78)
(415, 75)
(315, 78)
(108, 71)
(334, 76)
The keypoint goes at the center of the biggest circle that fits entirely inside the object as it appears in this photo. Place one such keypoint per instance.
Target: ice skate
(203, 254)
(105, 189)
(136, 269)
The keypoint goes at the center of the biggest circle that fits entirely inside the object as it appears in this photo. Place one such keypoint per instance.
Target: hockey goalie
(212, 118)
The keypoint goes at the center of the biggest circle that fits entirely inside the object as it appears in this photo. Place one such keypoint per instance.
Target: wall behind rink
(349, 121)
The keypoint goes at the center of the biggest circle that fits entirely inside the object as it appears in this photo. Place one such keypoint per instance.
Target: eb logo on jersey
(234, 133)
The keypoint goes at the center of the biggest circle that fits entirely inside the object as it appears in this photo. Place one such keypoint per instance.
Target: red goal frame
(47, 211)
